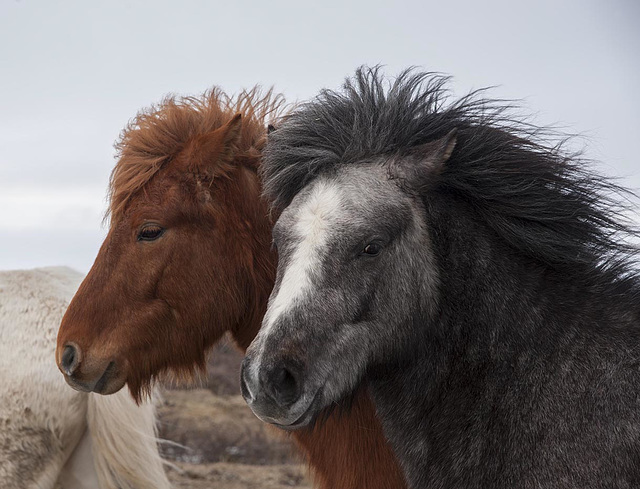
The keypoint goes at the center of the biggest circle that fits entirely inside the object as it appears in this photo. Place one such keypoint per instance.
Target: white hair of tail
(52, 437)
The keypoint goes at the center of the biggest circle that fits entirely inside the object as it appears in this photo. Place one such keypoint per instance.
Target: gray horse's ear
(436, 153)
(425, 161)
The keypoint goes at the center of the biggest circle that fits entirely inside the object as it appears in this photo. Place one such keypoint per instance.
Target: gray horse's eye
(372, 249)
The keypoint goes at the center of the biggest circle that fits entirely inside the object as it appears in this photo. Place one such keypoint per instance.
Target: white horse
(50, 435)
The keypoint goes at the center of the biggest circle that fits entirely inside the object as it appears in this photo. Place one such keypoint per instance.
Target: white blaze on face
(313, 220)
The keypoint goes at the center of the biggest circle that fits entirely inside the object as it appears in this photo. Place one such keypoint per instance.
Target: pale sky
(72, 73)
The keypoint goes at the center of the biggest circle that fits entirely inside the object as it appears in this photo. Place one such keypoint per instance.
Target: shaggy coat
(516, 361)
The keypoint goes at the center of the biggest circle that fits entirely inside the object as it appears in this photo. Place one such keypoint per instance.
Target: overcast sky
(73, 73)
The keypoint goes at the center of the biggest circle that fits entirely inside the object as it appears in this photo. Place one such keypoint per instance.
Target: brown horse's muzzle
(88, 373)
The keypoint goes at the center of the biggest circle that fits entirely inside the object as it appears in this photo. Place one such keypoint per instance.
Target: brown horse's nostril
(70, 359)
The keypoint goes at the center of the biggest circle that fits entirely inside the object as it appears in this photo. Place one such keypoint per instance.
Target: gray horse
(475, 278)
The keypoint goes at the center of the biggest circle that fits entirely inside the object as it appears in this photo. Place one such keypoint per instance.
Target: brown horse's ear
(209, 153)
(229, 136)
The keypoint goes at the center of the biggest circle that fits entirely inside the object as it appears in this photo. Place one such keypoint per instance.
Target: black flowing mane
(543, 202)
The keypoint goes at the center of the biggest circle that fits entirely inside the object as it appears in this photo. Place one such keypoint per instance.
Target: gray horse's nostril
(277, 385)
(282, 384)
(70, 359)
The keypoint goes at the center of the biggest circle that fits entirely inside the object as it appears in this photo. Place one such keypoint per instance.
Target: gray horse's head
(382, 192)
(355, 270)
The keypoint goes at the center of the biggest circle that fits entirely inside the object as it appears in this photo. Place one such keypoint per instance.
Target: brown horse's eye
(150, 233)
(372, 249)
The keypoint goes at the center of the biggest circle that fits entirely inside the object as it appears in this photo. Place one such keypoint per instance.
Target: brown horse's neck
(247, 329)
(262, 267)
(348, 450)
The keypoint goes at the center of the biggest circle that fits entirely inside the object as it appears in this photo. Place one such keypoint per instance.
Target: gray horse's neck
(530, 380)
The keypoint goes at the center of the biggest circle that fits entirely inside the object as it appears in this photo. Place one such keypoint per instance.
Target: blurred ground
(215, 441)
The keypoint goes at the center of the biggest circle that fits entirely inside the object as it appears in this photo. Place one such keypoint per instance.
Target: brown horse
(187, 258)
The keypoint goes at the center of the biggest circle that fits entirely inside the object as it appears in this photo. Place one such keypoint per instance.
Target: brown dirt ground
(215, 441)
(238, 476)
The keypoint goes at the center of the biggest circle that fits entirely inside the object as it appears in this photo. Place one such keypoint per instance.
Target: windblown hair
(161, 132)
(543, 202)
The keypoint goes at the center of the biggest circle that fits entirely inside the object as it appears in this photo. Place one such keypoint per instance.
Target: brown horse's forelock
(161, 132)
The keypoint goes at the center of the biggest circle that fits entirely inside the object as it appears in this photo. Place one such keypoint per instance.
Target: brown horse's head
(187, 254)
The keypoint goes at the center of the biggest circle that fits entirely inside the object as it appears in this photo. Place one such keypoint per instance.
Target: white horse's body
(50, 435)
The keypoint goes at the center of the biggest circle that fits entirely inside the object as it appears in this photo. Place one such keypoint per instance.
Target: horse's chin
(301, 416)
(110, 386)
(304, 421)
(108, 381)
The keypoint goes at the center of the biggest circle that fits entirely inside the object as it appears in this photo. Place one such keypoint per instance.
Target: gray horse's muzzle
(275, 394)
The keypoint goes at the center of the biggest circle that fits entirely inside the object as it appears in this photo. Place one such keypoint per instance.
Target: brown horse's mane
(161, 132)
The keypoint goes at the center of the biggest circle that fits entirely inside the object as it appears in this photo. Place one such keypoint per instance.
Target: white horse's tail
(124, 443)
